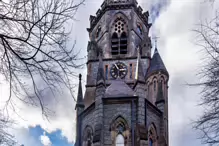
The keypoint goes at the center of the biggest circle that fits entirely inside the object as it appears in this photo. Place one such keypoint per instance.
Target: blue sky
(56, 137)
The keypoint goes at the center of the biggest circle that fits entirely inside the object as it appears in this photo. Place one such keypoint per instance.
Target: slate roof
(119, 88)
(89, 96)
(156, 64)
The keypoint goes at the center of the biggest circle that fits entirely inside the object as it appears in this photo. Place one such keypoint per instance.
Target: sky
(173, 22)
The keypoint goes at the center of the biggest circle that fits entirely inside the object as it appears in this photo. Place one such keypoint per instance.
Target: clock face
(118, 69)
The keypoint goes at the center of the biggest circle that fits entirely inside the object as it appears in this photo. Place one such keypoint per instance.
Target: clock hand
(117, 66)
(122, 69)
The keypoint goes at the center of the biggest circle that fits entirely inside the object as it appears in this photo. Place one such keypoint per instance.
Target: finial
(80, 77)
(100, 74)
(80, 102)
(156, 38)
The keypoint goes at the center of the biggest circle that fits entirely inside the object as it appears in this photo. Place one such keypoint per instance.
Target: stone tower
(126, 97)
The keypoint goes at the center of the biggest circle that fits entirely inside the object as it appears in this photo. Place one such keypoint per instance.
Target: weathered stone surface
(135, 102)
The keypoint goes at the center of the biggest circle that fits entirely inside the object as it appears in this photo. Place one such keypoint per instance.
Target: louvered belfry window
(115, 44)
(119, 40)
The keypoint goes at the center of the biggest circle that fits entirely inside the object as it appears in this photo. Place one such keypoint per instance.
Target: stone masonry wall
(111, 112)
(88, 120)
(153, 117)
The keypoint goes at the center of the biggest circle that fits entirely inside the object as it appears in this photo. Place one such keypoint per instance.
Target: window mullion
(119, 45)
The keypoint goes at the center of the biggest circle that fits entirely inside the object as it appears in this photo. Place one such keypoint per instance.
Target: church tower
(126, 96)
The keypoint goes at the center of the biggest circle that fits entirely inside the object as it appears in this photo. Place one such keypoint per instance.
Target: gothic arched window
(115, 44)
(139, 28)
(119, 131)
(98, 32)
(152, 135)
(119, 40)
(123, 43)
(150, 142)
(88, 136)
(120, 140)
(155, 85)
(162, 81)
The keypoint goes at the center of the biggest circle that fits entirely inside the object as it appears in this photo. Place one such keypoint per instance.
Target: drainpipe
(133, 136)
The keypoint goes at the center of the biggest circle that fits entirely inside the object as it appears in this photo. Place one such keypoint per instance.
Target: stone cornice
(88, 110)
(153, 107)
(111, 59)
(104, 7)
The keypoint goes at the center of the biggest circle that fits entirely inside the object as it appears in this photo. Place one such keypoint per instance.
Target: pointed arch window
(115, 44)
(150, 142)
(88, 136)
(98, 32)
(119, 39)
(119, 131)
(139, 28)
(162, 81)
(155, 85)
(120, 140)
(123, 43)
(152, 134)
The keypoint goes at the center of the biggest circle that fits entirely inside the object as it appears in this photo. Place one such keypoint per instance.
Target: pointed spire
(100, 73)
(156, 64)
(80, 102)
(139, 74)
(156, 51)
(160, 96)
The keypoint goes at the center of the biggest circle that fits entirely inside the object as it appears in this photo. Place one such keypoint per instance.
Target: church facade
(126, 97)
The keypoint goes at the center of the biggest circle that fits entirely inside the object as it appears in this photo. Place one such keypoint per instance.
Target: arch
(150, 142)
(148, 90)
(154, 88)
(120, 140)
(139, 28)
(115, 44)
(119, 121)
(119, 34)
(121, 15)
(152, 134)
(98, 31)
(162, 81)
(119, 129)
(123, 43)
(87, 136)
(119, 26)
(155, 85)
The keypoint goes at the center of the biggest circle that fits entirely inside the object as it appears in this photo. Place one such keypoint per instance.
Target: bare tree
(34, 53)
(6, 139)
(208, 38)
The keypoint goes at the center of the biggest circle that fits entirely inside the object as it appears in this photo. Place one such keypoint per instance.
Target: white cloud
(23, 136)
(182, 58)
(180, 55)
(45, 140)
